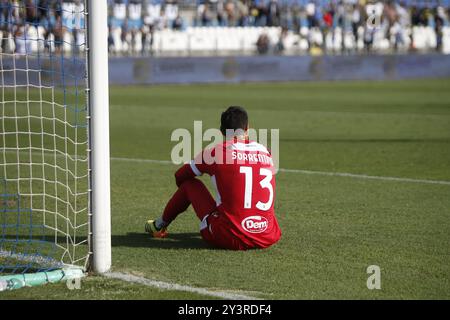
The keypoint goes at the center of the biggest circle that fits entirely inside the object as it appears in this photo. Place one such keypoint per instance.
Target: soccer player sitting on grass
(242, 172)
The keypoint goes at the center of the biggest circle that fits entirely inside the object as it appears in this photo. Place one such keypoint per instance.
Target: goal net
(44, 136)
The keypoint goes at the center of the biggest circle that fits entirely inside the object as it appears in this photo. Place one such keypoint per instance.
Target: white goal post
(99, 134)
(55, 215)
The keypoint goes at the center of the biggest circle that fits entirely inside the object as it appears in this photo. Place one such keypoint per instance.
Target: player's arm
(196, 167)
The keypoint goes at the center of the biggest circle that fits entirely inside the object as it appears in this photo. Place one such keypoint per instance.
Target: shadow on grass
(188, 240)
(173, 241)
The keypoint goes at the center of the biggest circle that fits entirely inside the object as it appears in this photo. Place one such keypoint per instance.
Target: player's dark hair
(234, 118)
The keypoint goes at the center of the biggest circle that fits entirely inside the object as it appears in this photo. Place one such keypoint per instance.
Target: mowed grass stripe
(303, 171)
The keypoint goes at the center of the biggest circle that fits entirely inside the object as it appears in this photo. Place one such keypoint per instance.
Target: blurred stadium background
(218, 27)
(153, 41)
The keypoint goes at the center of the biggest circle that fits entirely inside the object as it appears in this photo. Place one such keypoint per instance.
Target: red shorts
(216, 231)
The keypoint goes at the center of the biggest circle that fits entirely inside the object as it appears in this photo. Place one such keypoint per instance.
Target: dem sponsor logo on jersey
(255, 224)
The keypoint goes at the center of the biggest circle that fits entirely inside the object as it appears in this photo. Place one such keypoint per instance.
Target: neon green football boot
(154, 232)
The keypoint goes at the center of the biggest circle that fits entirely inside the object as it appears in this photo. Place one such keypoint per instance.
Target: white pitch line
(176, 287)
(321, 173)
(364, 176)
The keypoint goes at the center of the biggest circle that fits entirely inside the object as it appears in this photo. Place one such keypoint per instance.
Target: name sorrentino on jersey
(243, 157)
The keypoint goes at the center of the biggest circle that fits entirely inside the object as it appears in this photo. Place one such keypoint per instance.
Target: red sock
(194, 192)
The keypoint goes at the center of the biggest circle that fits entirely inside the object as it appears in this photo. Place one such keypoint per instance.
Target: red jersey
(243, 175)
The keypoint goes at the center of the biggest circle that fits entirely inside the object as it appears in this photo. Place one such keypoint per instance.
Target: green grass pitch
(333, 227)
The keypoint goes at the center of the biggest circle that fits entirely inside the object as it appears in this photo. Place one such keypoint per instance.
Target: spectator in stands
(230, 14)
(220, 13)
(119, 13)
(356, 20)
(57, 9)
(19, 39)
(58, 34)
(110, 39)
(311, 15)
(280, 46)
(328, 19)
(253, 13)
(177, 23)
(150, 37)
(273, 14)
(205, 15)
(442, 15)
(404, 17)
(261, 13)
(31, 15)
(161, 22)
(440, 21)
(152, 15)
(170, 11)
(44, 18)
(77, 24)
(242, 8)
(263, 44)
(6, 22)
(21, 45)
(393, 28)
(134, 22)
(151, 12)
(420, 17)
(134, 14)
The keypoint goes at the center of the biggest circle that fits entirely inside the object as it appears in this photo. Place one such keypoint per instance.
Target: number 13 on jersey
(265, 180)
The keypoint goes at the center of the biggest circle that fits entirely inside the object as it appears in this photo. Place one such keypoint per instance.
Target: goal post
(99, 134)
(55, 219)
